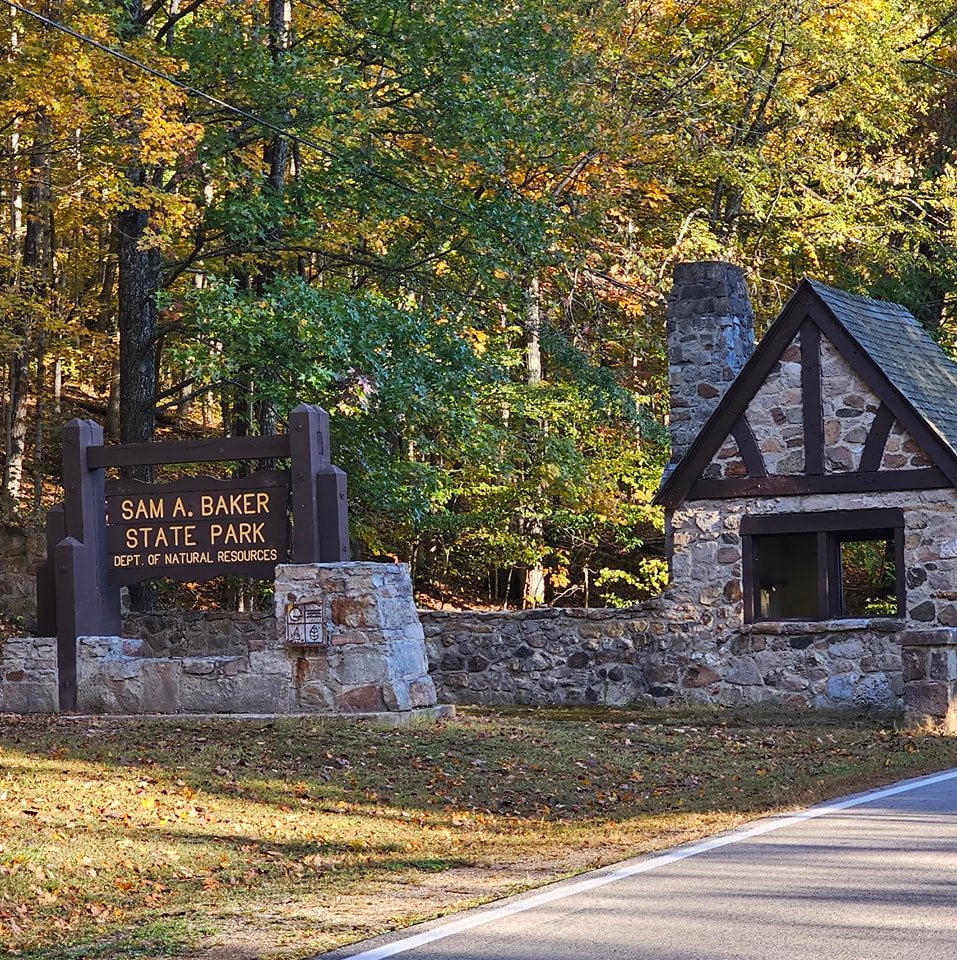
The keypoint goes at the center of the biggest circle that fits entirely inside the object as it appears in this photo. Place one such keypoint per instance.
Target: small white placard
(306, 625)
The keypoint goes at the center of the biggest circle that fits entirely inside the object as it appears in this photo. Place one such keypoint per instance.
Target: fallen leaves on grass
(110, 829)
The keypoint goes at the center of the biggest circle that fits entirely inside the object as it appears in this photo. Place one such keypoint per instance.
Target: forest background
(451, 223)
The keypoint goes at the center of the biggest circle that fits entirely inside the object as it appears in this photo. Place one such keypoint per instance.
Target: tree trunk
(277, 151)
(139, 277)
(277, 155)
(15, 195)
(106, 315)
(38, 414)
(16, 427)
(534, 593)
(33, 281)
(138, 282)
(113, 404)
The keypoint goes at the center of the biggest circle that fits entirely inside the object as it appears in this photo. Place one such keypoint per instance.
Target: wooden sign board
(197, 528)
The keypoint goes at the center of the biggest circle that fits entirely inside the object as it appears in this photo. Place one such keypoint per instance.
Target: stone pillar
(710, 338)
(354, 634)
(929, 660)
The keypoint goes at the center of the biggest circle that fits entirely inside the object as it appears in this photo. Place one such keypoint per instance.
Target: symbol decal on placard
(306, 625)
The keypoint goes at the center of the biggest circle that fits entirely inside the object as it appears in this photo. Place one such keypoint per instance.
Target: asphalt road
(873, 877)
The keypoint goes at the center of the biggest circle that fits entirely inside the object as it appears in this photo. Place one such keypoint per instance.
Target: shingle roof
(912, 361)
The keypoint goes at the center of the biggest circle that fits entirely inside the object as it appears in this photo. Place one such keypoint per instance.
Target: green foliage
(652, 578)
(445, 451)
(869, 578)
(453, 156)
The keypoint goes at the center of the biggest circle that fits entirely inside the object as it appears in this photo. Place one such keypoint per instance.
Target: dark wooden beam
(900, 571)
(750, 579)
(46, 574)
(928, 478)
(873, 452)
(827, 521)
(811, 398)
(748, 445)
(826, 601)
(189, 451)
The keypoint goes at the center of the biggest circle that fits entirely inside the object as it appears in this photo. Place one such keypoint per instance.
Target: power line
(231, 108)
(161, 75)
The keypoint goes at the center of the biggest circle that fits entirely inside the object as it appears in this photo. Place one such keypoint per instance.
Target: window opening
(868, 575)
(818, 566)
(788, 572)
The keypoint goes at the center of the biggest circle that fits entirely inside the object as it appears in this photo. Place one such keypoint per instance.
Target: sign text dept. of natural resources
(198, 527)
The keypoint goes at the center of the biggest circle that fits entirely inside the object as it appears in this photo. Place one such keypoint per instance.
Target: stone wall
(689, 646)
(776, 417)
(930, 679)
(848, 408)
(649, 655)
(199, 633)
(902, 452)
(20, 552)
(367, 655)
(707, 562)
(559, 656)
(28, 675)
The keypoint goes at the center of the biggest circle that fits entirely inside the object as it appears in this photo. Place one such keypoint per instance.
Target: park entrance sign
(197, 528)
(111, 532)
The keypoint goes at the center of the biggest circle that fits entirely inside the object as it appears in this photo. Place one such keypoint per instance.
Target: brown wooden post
(87, 604)
(309, 451)
(319, 505)
(331, 494)
(74, 587)
(46, 574)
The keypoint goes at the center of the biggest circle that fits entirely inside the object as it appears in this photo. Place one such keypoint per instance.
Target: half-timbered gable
(843, 395)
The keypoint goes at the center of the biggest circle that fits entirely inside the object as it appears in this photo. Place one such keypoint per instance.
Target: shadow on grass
(160, 938)
(579, 765)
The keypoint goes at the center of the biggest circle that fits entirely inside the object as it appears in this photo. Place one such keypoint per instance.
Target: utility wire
(160, 75)
(238, 111)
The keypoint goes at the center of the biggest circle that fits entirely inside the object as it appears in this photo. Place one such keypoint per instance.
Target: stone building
(811, 493)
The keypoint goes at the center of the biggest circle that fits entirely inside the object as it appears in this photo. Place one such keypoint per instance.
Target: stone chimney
(710, 337)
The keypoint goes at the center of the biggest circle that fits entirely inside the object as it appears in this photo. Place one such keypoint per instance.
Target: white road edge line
(643, 866)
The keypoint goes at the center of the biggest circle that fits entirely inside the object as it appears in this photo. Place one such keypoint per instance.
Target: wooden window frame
(832, 527)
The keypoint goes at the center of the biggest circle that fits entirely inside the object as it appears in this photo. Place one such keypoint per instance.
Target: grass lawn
(235, 839)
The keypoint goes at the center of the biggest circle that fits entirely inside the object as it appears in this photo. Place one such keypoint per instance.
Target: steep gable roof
(883, 341)
(906, 353)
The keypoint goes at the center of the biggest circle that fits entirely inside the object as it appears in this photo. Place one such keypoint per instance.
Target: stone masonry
(366, 655)
(848, 407)
(706, 566)
(930, 679)
(199, 633)
(20, 552)
(375, 656)
(28, 675)
(775, 415)
(658, 652)
(710, 337)
(650, 655)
